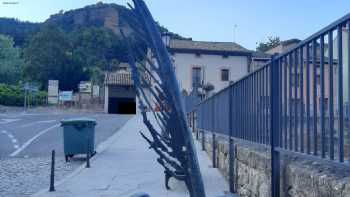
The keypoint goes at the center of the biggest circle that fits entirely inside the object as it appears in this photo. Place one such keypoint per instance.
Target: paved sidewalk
(127, 167)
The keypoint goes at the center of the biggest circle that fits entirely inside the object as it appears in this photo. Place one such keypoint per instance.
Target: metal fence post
(214, 150)
(231, 144)
(203, 140)
(231, 165)
(274, 137)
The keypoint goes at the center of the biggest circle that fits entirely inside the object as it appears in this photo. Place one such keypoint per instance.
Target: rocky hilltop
(111, 16)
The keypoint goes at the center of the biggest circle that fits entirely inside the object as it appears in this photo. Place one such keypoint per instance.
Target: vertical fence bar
(302, 99)
(348, 84)
(308, 134)
(290, 102)
(314, 95)
(274, 136)
(244, 109)
(280, 117)
(263, 106)
(249, 107)
(269, 129)
(340, 92)
(237, 112)
(237, 100)
(231, 165)
(285, 103)
(323, 133)
(266, 108)
(331, 113)
(231, 152)
(255, 108)
(214, 149)
(259, 107)
(195, 119)
(296, 84)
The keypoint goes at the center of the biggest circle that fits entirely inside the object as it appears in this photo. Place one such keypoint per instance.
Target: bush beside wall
(14, 96)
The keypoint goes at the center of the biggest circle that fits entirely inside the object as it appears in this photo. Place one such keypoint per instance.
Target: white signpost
(52, 97)
(95, 91)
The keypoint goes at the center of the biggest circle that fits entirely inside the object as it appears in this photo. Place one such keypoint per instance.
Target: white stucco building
(199, 63)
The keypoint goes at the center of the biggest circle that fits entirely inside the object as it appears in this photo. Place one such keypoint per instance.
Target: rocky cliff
(111, 16)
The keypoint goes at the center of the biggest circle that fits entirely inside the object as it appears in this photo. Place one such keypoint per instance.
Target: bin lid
(78, 121)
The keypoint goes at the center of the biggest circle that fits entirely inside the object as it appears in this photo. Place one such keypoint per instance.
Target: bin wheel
(71, 156)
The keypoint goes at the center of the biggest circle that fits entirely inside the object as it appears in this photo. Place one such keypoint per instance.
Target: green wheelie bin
(78, 136)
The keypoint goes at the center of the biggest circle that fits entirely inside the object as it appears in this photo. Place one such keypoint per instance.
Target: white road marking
(25, 145)
(8, 120)
(37, 122)
(47, 121)
(12, 138)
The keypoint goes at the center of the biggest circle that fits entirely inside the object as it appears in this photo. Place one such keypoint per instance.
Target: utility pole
(234, 32)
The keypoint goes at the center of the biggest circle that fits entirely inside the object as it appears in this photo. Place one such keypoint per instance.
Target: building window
(225, 74)
(196, 77)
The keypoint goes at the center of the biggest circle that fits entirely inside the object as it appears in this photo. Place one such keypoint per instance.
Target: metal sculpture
(170, 137)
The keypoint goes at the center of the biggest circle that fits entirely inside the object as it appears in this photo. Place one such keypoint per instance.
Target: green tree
(98, 47)
(49, 55)
(11, 64)
(271, 43)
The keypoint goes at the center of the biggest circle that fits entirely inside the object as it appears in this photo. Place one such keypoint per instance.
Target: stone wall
(301, 175)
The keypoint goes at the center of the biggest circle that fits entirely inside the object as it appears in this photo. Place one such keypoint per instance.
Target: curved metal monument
(170, 137)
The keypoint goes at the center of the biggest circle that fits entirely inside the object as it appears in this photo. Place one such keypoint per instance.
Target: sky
(245, 22)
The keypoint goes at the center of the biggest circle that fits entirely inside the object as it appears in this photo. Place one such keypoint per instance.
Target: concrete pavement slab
(127, 167)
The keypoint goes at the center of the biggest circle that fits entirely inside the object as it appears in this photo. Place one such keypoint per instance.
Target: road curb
(99, 149)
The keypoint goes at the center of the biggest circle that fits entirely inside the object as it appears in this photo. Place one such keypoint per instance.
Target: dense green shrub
(14, 96)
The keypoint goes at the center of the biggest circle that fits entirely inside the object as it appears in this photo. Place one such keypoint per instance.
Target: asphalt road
(36, 134)
(26, 142)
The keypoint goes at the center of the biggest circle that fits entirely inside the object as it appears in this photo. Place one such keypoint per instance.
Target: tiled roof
(123, 77)
(118, 78)
(207, 46)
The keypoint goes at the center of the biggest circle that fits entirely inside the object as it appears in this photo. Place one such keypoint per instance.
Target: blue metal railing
(295, 102)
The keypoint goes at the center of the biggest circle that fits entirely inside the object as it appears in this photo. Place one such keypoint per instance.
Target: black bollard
(87, 155)
(52, 175)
